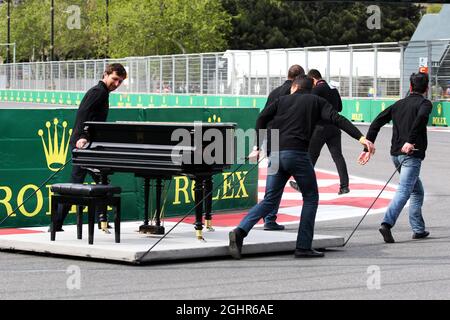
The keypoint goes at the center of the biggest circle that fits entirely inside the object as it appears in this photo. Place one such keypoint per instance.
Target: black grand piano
(161, 150)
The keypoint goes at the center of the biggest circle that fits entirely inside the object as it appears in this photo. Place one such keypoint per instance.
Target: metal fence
(376, 70)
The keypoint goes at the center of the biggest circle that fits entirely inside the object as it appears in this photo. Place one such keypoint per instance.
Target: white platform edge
(179, 245)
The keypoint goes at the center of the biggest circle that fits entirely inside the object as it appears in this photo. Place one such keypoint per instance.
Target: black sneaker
(385, 231)
(308, 253)
(343, 190)
(236, 242)
(421, 235)
(294, 185)
(273, 226)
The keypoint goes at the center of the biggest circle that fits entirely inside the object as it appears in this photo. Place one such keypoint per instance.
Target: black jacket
(282, 90)
(322, 89)
(296, 115)
(409, 118)
(93, 107)
(276, 93)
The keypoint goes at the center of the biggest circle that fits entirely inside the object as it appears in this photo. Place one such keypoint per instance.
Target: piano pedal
(199, 234)
(108, 226)
(152, 229)
(209, 226)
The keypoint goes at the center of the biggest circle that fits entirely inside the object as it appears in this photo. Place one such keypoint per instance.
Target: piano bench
(89, 196)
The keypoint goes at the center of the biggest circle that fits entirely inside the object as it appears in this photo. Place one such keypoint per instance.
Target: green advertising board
(34, 145)
(358, 110)
(439, 114)
(135, 99)
(378, 106)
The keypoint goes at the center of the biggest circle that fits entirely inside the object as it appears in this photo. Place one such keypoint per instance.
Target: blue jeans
(410, 187)
(288, 163)
(271, 216)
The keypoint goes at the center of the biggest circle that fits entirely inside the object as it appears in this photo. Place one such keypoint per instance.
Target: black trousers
(78, 176)
(331, 136)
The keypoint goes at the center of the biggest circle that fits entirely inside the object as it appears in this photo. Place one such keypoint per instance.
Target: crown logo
(439, 109)
(214, 118)
(55, 149)
(357, 106)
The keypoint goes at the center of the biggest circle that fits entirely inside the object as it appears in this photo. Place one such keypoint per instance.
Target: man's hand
(254, 156)
(81, 143)
(364, 157)
(368, 144)
(408, 148)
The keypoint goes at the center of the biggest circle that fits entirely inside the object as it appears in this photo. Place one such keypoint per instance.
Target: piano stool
(87, 195)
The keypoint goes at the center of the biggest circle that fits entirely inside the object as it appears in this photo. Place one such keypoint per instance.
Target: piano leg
(208, 203)
(146, 197)
(103, 210)
(158, 229)
(198, 192)
(145, 227)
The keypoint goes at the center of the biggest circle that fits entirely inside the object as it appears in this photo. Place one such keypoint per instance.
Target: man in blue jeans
(294, 71)
(409, 143)
(295, 117)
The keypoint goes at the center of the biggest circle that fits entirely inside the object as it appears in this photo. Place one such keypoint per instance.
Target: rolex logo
(56, 148)
(214, 118)
(439, 109)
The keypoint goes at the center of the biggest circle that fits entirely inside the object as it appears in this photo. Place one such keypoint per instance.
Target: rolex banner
(439, 114)
(34, 145)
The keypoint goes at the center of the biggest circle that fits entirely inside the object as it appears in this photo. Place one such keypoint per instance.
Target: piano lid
(157, 148)
(185, 137)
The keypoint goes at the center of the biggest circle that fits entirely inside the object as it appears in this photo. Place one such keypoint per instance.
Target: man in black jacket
(294, 116)
(326, 132)
(409, 142)
(93, 107)
(285, 89)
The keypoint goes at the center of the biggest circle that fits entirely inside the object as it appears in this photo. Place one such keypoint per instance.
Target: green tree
(434, 8)
(264, 24)
(136, 28)
(28, 33)
(30, 29)
(167, 27)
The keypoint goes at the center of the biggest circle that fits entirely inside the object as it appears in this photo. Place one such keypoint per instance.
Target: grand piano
(160, 151)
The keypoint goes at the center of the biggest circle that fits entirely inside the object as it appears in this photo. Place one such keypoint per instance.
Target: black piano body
(160, 151)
